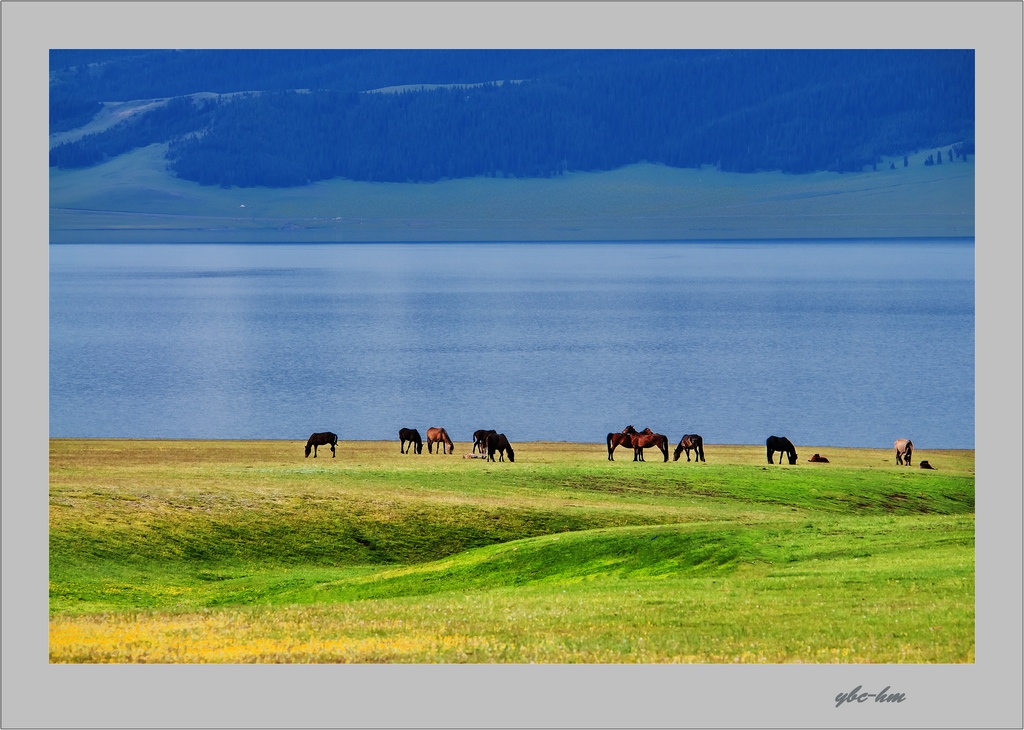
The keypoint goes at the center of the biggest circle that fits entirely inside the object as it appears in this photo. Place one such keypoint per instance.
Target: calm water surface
(827, 343)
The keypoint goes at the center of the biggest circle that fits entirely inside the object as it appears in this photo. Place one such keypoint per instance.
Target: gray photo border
(37, 694)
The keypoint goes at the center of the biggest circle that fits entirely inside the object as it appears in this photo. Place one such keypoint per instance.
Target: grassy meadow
(243, 551)
(133, 199)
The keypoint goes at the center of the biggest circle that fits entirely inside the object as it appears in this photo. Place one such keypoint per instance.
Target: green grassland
(133, 199)
(229, 551)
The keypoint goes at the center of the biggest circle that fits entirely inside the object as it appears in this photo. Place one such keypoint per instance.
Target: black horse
(781, 444)
(690, 441)
(413, 437)
(321, 439)
(480, 439)
(498, 442)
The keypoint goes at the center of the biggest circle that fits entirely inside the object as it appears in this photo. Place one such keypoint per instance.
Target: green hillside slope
(132, 198)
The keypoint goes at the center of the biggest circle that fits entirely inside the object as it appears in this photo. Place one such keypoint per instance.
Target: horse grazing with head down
(622, 438)
(480, 439)
(646, 439)
(496, 442)
(412, 436)
(690, 441)
(781, 444)
(321, 439)
(904, 450)
(437, 435)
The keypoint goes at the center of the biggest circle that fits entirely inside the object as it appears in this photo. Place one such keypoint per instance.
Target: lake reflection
(830, 344)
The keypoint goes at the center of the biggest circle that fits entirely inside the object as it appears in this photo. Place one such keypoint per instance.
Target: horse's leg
(332, 451)
(770, 453)
(314, 451)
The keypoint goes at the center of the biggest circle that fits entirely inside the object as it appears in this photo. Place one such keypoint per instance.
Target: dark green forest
(296, 117)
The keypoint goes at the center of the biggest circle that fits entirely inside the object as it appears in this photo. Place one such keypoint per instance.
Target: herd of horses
(434, 436)
(640, 440)
(491, 442)
(484, 439)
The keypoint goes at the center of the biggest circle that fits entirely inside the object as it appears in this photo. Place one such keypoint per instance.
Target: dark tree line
(796, 111)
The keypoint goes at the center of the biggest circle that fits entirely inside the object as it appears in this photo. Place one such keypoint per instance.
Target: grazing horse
(781, 443)
(686, 443)
(412, 436)
(437, 435)
(480, 439)
(904, 450)
(818, 459)
(321, 439)
(498, 442)
(645, 439)
(622, 438)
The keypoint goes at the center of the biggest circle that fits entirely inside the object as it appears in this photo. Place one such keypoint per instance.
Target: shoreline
(546, 443)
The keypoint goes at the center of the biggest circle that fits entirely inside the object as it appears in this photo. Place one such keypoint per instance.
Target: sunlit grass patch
(248, 552)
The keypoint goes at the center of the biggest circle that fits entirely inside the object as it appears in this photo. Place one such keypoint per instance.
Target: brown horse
(325, 438)
(498, 442)
(412, 436)
(904, 450)
(646, 439)
(437, 435)
(818, 459)
(480, 439)
(690, 441)
(622, 438)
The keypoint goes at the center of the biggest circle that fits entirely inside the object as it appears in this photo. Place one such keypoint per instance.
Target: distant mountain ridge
(572, 111)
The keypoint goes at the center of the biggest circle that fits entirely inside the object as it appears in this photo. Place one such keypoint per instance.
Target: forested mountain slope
(291, 118)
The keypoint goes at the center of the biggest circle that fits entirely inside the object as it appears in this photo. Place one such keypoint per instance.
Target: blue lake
(830, 344)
